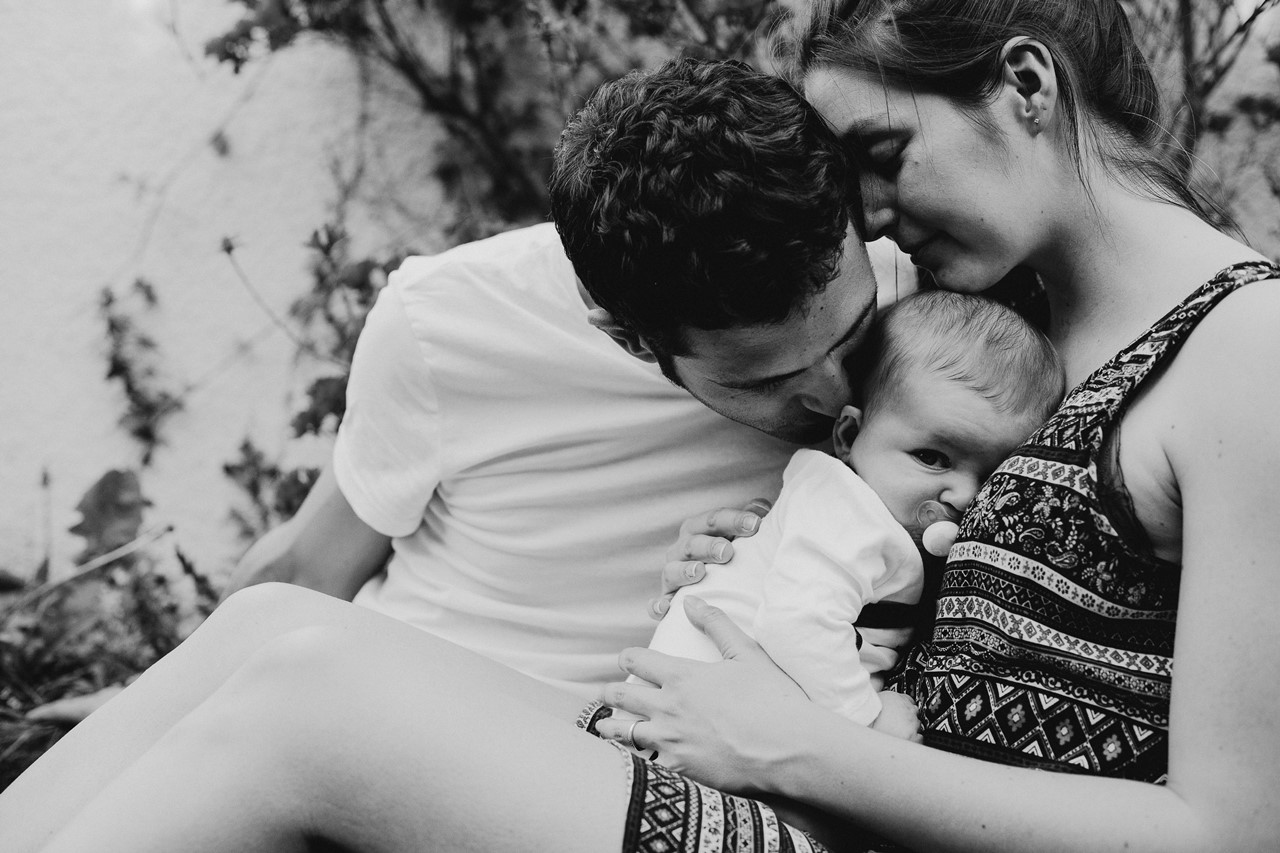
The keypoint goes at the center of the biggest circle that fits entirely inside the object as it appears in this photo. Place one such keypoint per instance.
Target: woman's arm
(743, 726)
(741, 721)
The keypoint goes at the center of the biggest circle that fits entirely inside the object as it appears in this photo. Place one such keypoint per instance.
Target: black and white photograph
(640, 426)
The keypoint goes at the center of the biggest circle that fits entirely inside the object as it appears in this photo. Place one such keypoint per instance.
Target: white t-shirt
(827, 549)
(531, 471)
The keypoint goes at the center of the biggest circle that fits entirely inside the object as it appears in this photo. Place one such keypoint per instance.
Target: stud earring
(1037, 121)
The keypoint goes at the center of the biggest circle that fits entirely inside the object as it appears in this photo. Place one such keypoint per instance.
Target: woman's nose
(878, 210)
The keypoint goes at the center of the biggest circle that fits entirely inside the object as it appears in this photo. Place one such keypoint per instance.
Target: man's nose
(829, 388)
(879, 211)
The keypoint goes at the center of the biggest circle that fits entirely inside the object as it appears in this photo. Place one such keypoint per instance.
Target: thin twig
(145, 538)
(229, 248)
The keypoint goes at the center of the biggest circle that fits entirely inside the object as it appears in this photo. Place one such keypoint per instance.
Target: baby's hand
(898, 717)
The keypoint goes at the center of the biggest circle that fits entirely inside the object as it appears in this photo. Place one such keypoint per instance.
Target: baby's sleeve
(838, 540)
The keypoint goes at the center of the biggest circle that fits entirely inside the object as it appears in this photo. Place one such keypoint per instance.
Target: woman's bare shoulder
(1235, 343)
(1220, 395)
(1222, 392)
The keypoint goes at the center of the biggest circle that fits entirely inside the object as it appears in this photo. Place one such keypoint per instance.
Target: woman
(996, 133)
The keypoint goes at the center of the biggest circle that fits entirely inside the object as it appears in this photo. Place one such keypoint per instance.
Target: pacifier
(940, 528)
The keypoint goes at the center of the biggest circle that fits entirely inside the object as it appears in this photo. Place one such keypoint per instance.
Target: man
(525, 473)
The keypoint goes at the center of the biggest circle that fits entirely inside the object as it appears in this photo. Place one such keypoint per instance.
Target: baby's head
(957, 382)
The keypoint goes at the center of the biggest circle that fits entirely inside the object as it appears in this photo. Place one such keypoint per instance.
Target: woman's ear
(622, 336)
(846, 430)
(1028, 71)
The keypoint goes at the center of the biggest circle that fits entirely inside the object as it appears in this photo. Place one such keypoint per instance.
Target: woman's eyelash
(885, 157)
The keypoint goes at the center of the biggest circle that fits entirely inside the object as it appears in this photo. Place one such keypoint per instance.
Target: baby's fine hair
(968, 339)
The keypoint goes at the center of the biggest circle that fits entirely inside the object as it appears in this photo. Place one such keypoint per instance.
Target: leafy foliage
(274, 493)
(499, 75)
(131, 360)
(130, 604)
(326, 322)
(1195, 43)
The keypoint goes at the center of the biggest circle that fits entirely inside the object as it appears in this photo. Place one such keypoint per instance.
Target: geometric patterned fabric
(1053, 643)
(669, 813)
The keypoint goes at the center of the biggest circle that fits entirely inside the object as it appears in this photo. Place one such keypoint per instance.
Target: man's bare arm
(325, 547)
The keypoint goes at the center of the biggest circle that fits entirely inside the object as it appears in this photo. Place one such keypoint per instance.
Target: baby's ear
(622, 336)
(846, 430)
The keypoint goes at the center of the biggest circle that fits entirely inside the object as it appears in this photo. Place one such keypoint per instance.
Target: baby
(830, 583)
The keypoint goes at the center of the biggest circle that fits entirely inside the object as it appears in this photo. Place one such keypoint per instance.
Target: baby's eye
(932, 458)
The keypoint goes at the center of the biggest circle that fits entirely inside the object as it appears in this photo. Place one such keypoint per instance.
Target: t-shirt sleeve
(387, 458)
(837, 542)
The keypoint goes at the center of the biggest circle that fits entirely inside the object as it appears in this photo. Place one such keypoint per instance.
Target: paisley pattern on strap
(1053, 645)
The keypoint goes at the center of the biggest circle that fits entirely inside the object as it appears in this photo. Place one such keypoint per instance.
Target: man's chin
(807, 432)
(803, 434)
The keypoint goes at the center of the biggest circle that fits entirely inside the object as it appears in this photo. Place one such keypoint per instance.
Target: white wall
(106, 112)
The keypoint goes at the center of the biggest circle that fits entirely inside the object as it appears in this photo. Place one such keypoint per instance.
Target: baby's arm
(806, 626)
(837, 543)
(734, 587)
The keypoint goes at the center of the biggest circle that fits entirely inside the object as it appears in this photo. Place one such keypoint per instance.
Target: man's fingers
(680, 573)
(731, 640)
(706, 537)
(729, 521)
(696, 547)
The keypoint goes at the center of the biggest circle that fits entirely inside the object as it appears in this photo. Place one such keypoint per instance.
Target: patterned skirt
(669, 813)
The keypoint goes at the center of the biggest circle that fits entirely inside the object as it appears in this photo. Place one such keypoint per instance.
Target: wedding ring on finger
(629, 740)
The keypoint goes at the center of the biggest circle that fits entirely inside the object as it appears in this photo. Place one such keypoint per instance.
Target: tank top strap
(1095, 402)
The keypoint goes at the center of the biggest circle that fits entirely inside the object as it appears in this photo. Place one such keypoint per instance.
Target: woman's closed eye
(885, 157)
(935, 459)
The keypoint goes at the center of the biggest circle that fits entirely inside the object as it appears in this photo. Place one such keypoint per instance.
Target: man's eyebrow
(849, 334)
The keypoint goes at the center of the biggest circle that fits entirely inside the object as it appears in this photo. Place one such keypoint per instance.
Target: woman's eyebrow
(867, 130)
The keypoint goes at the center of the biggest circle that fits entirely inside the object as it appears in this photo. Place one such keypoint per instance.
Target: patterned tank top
(1053, 643)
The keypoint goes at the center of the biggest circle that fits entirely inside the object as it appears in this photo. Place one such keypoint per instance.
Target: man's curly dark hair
(700, 194)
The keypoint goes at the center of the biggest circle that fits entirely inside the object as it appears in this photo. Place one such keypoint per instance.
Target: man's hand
(705, 538)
